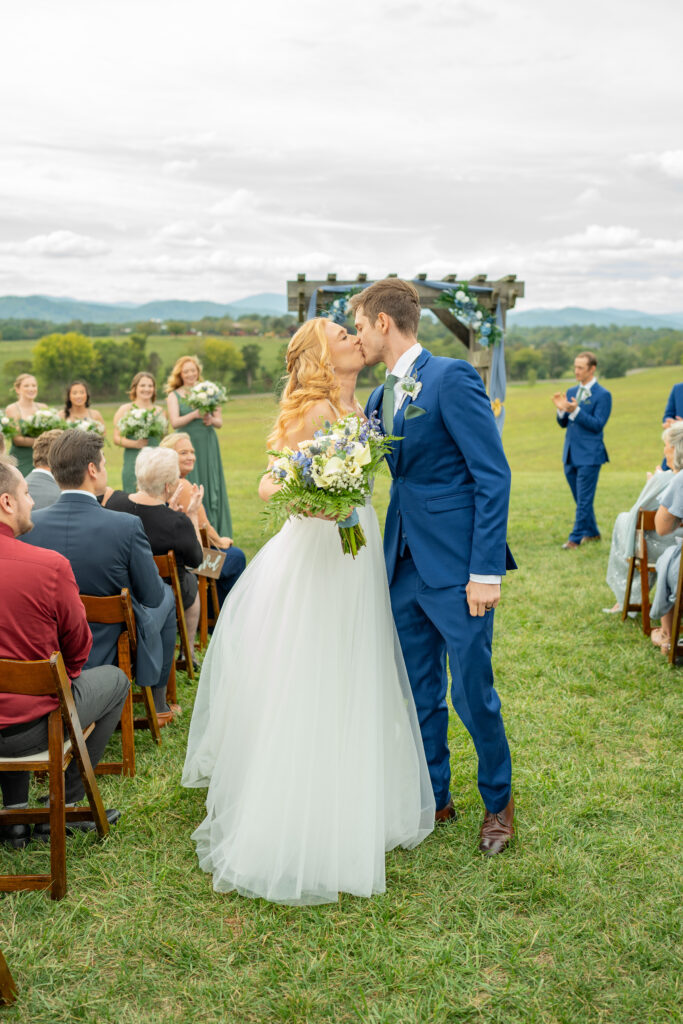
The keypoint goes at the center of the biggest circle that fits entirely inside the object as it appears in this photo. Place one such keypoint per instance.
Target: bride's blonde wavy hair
(311, 378)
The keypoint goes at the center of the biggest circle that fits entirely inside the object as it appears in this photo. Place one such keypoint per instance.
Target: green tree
(176, 326)
(615, 361)
(60, 358)
(12, 369)
(112, 368)
(522, 360)
(221, 359)
(251, 354)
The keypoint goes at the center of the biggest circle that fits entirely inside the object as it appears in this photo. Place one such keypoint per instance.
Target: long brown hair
(175, 380)
(311, 377)
(132, 394)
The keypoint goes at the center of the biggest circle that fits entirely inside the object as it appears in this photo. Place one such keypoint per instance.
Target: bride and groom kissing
(320, 725)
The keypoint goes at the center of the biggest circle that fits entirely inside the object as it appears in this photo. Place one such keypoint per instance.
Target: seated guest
(624, 532)
(108, 550)
(157, 476)
(235, 560)
(667, 519)
(674, 409)
(42, 613)
(42, 486)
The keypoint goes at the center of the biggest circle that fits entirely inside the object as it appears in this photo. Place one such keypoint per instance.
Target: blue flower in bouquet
(330, 475)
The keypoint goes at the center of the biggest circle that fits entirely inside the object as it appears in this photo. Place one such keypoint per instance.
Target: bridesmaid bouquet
(44, 419)
(87, 426)
(140, 424)
(8, 427)
(330, 475)
(206, 396)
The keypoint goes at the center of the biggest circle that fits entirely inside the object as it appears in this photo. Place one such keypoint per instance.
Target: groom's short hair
(397, 298)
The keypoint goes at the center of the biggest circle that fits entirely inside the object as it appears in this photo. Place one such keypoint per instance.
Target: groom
(444, 541)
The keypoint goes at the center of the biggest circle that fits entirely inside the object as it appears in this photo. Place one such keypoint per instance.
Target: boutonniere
(409, 386)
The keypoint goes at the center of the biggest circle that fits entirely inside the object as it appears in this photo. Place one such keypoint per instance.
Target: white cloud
(669, 163)
(597, 237)
(180, 168)
(63, 244)
(588, 197)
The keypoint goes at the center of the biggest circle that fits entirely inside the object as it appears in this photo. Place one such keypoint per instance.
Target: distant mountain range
(64, 310)
(575, 315)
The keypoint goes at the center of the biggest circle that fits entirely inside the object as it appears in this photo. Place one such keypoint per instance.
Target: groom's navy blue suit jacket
(451, 480)
(109, 550)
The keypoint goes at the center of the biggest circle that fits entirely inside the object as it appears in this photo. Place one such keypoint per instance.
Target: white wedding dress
(304, 727)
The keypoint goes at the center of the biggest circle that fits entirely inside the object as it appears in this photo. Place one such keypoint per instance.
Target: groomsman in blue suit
(583, 413)
(673, 411)
(444, 542)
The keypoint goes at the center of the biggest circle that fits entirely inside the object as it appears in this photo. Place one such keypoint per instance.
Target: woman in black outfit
(157, 476)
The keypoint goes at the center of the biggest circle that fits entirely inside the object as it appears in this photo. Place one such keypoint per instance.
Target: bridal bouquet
(206, 396)
(44, 419)
(139, 424)
(330, 475)
(86, 425)
(8, 427)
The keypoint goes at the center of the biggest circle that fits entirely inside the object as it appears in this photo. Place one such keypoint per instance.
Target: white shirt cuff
(476, 578)
(561, 415)
(573, 415)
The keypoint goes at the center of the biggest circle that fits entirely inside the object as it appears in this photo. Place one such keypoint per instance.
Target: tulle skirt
(304, 727)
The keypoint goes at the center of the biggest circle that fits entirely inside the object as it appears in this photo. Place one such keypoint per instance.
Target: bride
(304, 727)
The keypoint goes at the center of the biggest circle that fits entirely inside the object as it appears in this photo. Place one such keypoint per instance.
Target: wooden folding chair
(208, 591)
(8, 990)
(168, 570)
(639, 560)
(38, 679)
(676, 648)
(114, 610)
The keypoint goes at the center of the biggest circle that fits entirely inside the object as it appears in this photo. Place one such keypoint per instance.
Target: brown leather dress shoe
(570, 545)
(447, 813)
(165, 718)
(497, 830)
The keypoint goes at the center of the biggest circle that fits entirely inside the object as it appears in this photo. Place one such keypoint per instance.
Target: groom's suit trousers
(433, 624)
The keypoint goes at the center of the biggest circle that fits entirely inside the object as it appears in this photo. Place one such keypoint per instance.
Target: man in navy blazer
(673, 411)
(583, 413)
(444, 542)
(108, 550)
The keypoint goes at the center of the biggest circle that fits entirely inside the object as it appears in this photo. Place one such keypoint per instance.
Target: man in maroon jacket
(41, 612)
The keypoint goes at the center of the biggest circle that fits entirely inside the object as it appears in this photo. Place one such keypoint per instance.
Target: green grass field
(578, 922)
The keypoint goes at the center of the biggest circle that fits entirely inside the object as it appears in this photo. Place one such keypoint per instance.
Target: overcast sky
(212, 149)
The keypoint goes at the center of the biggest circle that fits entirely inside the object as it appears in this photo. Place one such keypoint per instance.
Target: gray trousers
(99, 695)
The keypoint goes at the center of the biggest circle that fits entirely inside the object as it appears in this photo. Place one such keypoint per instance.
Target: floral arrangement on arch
(337, 310)
(465, 306)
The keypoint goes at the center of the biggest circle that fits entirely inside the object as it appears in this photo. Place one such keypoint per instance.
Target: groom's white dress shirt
(403, 367)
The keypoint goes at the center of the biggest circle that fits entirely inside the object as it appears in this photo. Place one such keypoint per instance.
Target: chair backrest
(646, 519)
(110, 610)
(204, 537)
(34, 678)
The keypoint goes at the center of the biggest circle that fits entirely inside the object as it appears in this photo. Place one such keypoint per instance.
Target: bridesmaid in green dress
(26, 388)
(142, 394)
(202, 429)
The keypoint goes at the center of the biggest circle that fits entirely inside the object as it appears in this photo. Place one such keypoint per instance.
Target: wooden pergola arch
(504, 291)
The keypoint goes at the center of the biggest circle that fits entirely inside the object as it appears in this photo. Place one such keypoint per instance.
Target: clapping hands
(562, 403)
(196, 496)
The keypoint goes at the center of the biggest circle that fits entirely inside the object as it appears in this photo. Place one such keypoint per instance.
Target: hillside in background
(65, 310)
(58, 310)
(572, 316)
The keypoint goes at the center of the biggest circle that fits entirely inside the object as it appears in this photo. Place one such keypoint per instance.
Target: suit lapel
(400, 417)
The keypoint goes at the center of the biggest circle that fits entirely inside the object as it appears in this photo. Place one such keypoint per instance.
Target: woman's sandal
(665, 648)
(659, 637)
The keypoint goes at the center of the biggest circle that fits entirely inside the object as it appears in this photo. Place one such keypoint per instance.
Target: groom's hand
(482, 597)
